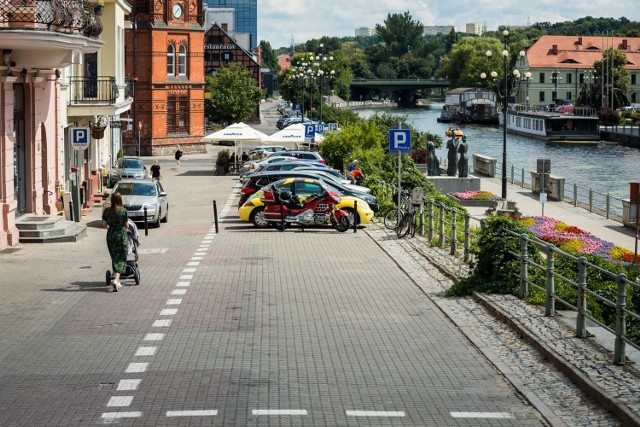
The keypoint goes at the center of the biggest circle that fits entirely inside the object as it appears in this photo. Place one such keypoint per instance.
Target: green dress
(117, 240)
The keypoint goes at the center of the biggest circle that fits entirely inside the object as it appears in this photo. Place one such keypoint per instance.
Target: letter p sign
(399, 140)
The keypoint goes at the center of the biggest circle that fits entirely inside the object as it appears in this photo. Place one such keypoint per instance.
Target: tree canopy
(231, 95)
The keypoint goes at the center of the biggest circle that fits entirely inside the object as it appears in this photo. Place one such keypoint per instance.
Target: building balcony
(89, 96)
(47, 33)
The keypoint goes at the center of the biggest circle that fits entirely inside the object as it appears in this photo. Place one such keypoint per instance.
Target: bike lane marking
(131, 384)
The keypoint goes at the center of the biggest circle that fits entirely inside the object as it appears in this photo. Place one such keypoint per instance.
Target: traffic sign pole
(399, 140)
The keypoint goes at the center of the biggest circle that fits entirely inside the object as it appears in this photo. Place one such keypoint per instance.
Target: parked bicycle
(409, 222)
(391, 218)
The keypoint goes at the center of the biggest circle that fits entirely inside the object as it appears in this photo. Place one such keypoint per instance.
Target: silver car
(127, 167)
(140, 194)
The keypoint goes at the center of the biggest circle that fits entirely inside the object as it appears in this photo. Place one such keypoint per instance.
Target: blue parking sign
(309, 130)
(399, 139)
(80, 138)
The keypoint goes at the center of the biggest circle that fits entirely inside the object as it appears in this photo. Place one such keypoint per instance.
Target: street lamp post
(526, 79)
(505, 103)
(322, 74)
(555, 78)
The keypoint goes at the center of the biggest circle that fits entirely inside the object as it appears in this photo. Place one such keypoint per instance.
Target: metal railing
(625, 290)
(93, 90)
(444, 228)
(50, 15)
(603, 204)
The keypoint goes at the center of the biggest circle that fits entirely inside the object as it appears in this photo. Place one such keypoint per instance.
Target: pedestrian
(353, 165)
(115, 219)
(245, 157)
(155, 171)
(178, 155)
(356, 176)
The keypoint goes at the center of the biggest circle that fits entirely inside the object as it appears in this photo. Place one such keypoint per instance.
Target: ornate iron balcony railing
(65, 16)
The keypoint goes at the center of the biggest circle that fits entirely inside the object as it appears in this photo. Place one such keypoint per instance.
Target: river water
(604, 168)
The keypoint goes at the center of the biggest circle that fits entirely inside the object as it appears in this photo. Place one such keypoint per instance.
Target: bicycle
(391, 218)
(409, 222)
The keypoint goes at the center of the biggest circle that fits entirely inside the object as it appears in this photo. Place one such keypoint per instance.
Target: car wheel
(257, 218)
(166, 216)
(157, 223)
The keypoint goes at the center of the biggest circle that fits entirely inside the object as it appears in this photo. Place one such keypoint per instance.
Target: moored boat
(581, 126)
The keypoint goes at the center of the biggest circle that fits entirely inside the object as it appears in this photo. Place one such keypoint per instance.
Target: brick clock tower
(164, 60)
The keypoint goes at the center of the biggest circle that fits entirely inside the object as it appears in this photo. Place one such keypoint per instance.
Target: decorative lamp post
(322, 74)
(505, 102)
(555, 78)
(526, 79)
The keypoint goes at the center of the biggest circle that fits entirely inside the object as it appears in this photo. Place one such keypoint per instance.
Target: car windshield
(133, 164)
(135, 189)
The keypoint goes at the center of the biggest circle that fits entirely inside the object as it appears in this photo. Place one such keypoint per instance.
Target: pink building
(37, 40)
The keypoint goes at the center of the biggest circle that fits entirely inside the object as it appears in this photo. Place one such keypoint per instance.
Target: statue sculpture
(463, 162)
(433, 164)
(452, 156)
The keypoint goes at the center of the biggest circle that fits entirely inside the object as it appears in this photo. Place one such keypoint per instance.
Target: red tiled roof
(580, 51)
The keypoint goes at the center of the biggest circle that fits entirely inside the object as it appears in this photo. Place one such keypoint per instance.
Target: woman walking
(114, 218)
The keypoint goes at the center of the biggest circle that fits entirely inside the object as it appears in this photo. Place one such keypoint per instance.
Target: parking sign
(309, 130)
(399, 139)
(80, 138)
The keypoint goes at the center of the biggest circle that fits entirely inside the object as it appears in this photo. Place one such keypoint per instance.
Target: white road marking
(174, 301)
(183, 283)
(375, 413)
(198, 413)
(481, 415)
(162, 323)
(279, 412)
(135, 368)
(153, 337)
(196, 258)
(169, 312)
(190, 270)
(193, 264)
(186, 277)
(127, 385)
(178, 292)
(199, 253)
(110, 416)
(120, 401)
(146, 351)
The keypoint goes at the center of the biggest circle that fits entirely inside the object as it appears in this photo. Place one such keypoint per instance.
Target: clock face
(177, 10)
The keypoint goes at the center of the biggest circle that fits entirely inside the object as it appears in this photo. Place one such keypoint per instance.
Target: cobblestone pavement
(236, 328)
(524, 365)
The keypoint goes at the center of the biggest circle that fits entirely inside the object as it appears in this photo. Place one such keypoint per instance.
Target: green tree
(400, 33)
(269, 58)
(612, 64)
(231, 95)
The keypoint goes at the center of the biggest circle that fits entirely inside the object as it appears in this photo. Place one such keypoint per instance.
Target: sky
(281, 21)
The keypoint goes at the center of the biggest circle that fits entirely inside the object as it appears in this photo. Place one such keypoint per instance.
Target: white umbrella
(293, 134)
(237, 132)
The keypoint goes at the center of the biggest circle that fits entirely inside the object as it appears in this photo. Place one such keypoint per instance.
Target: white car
(139, 194)
(254, 165)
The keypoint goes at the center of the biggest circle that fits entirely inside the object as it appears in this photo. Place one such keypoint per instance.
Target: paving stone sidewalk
(576, 362)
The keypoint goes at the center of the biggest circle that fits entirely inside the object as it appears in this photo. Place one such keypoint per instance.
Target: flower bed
(475, 198)
(573, 239)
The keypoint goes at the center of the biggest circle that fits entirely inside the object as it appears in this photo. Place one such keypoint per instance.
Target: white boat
(581, 126)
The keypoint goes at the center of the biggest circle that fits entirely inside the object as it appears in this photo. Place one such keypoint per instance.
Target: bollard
(590, 200)
(575, 195)
(522, 179)
(70, 210)
(608, 204)
(215, 215)
(355, 216)
(146, 222)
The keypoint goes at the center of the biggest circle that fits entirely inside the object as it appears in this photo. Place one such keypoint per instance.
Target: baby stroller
(131, 270)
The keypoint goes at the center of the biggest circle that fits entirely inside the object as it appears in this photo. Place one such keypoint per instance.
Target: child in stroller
(131, 271)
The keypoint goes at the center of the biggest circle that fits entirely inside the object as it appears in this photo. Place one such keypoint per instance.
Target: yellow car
(252, 209)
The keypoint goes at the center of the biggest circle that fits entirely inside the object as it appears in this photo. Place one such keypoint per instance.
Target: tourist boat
(581, 126)
(469, 105)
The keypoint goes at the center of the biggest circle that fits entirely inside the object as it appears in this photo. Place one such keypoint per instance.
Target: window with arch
(171, 60)
(182, 60)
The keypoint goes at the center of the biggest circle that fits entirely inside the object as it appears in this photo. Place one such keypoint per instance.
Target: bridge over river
(399, 90)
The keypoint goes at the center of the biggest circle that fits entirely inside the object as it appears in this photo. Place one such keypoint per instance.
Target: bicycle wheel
(403, 226)
(391, 219)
